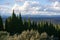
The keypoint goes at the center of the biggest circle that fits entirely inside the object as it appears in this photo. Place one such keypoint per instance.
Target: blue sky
(30, 7)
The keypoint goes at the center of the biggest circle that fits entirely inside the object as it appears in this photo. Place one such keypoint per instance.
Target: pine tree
(8, 24)
(1, 24)
(20, 23)
(13, 23)
(52, 29)
(25, 24)
(29, 24)
(34, 25)
(20, 20)
(13, 15)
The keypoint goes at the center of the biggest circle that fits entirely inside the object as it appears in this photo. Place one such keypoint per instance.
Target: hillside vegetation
(15, 25)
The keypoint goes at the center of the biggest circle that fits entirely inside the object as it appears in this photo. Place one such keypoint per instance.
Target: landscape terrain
(29, 27)
(29, 19)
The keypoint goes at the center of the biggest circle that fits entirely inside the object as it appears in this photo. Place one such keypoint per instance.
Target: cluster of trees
(15, 24)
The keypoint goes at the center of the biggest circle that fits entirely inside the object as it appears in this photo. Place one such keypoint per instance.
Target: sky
(30, 7)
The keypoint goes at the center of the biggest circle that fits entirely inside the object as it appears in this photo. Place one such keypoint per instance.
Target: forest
(15, 25)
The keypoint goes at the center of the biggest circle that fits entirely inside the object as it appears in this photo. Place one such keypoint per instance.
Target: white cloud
(54, 7)
(19, 0)
(54, 0)
(33, 8)
(22, 0)
(5, 10)
(27, 7)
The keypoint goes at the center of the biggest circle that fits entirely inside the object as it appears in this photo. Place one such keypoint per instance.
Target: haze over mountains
(53, 18)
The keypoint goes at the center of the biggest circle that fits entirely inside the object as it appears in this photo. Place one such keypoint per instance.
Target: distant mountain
(37, 18)
(54, 19)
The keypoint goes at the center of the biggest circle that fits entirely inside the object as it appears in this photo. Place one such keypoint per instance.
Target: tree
(34, 25)
(14, 24)
(25, 25)
(20, 24)
(20, 19)
(11, 24)
(29, 24)
(1, 24)
(7, 25)
(51, 30)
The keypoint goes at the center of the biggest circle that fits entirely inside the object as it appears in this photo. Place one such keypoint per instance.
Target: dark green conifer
(1, 24)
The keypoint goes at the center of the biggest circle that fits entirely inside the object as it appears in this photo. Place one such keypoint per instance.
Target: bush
(30, 35)
(25, 35)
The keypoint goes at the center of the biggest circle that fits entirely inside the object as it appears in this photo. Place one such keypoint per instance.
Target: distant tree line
(14, 24)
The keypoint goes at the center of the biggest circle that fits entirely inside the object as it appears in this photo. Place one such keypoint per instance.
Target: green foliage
(14, 24)
(1, 24)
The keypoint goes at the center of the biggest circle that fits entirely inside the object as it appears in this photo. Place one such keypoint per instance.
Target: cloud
(27, 7)
(32, 8)
(7, 3)
(19, 0)
(53, 0)
(54, 7)
(5, 10)
(23, 0)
